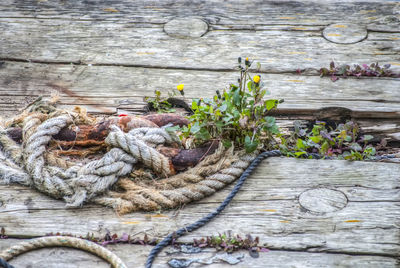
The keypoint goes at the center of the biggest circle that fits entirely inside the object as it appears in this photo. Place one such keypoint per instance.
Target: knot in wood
(323, 200)
(186, 28)
(344, 33)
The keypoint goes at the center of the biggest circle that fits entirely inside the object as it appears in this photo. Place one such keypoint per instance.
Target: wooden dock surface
(107, 56)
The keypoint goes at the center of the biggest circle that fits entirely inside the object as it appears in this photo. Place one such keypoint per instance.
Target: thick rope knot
(136, 147)
(152, 136)
(98, 176)
(28, 164)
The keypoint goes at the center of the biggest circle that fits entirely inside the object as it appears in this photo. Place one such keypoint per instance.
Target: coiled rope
(111, 257)
(31, 164)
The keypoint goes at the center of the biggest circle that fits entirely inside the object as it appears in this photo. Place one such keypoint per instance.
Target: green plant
(343, 142)
(237, 116)
(230, 243)
(166, 105)
(344, 71)
(159, 104)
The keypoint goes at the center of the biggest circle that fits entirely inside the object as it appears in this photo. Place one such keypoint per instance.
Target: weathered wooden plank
(109, 43)
(135, 256)
(104, 88)
(389, 129)
(222, 13)
(366, 222)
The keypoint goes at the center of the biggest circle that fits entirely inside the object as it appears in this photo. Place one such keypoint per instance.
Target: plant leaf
(227, 143)
(194, 105)
(367, 137)
(195, 128)
(300, 144)
(324, 147)
(270, 104)
(316, 139)
(298, 154)
(249, 145)
(356, 147)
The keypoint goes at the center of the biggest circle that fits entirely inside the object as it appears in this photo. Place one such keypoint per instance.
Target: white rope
(63, 241)
(79, 184)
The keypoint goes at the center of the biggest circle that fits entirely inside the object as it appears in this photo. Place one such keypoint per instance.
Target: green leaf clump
(160, 104)
(373, 70)
(342, 142)
(230, 243)
(237, 116)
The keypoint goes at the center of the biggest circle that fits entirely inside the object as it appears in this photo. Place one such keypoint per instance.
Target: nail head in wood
(323, 200)
(343, 33)
(186, 28)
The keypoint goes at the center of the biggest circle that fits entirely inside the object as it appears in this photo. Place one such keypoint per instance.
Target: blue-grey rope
(383, 157)
(167, 240)
(5, 264)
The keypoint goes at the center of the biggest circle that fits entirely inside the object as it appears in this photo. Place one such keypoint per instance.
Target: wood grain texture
(110, 43)
(267, 207)
(117, 32)
(68, 258)
(218, 12)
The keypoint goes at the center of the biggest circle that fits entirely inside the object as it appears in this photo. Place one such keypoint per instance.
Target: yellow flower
(180, 87)
(256, 79)
(247, 59)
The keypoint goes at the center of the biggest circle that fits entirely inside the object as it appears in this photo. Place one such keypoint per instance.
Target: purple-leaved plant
(372, 70)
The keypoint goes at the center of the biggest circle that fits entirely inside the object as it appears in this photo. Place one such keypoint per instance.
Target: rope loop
(60, 241)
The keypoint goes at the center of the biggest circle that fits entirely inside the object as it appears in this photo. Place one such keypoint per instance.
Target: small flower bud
(240, 60)
(247, 62)
(218, 94)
